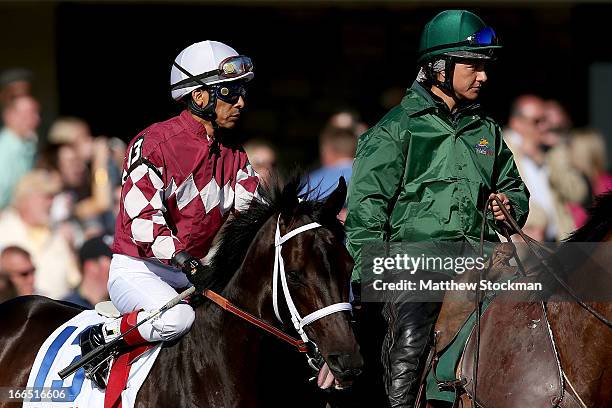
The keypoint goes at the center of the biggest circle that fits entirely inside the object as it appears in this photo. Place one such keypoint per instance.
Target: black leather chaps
(405, 348)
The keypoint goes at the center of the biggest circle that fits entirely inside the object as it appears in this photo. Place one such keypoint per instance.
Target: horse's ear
(335, 201)
(289, 200)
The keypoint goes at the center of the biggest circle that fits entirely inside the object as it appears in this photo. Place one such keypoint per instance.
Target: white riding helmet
(207, 63)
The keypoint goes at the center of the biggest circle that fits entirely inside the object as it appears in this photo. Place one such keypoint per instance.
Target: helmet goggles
(229, 68)
(485, 38)
(233, 67)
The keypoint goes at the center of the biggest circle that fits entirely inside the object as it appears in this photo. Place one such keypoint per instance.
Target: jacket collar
(418, 99)
(191, 124)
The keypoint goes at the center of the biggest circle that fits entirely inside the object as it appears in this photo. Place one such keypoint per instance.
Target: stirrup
(98, 369)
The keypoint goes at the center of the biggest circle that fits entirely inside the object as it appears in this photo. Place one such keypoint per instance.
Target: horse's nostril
(344, 362)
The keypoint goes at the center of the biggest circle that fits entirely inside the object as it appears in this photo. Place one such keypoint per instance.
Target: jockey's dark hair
(238, 233)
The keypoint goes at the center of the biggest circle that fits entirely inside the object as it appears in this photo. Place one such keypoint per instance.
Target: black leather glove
(198, 274)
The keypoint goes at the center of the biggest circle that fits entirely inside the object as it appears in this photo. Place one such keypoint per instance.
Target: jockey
(424, 172)
(181, 180)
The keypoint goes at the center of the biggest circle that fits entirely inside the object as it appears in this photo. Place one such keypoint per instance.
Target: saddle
(107, 309)
(458, 306)
(520, 367)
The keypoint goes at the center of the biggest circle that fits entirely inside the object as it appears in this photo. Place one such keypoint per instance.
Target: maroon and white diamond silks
(179, 186)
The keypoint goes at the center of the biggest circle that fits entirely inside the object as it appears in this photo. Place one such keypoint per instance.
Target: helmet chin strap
(449, 70)
(208, 111)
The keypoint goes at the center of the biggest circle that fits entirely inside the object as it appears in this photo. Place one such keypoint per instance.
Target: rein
(532, 244)
(227, 305)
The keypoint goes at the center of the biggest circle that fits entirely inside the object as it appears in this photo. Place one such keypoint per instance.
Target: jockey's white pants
(135, 284)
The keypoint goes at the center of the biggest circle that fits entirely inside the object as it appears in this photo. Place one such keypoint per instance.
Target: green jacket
(423, 174)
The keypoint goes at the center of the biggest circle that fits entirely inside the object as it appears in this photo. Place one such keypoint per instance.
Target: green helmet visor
(485, 37)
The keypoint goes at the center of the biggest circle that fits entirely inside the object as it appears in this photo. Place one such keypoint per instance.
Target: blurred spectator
(64, 162)
(262, 157)
(89, 171)
(588, 155)
(526, 126)
(7, 289)
(14, 82)
(16, 264)
(557, 123)
(73, 131)
(117, 154)
(392, 97)
(336, 151)
(95, 258)
(27, 224)
(349, 120)
(526, 139)
(569, 187)
(18, 140)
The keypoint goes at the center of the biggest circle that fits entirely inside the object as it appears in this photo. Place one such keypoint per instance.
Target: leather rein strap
(533, 245)
(227, 305)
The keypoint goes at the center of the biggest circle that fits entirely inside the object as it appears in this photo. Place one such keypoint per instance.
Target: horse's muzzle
(345, 367)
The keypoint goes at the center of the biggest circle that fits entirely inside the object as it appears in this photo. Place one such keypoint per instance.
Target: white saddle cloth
(59, 351)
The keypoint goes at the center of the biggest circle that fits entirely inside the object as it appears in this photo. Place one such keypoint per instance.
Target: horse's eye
(294, 276)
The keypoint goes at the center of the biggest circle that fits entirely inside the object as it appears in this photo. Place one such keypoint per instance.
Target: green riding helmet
(457, 33)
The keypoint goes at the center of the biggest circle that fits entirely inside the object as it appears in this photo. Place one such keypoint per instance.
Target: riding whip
(102, 348)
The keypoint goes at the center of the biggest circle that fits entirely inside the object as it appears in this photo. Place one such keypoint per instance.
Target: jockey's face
(228, 109)
(468, 79)
(228, 114)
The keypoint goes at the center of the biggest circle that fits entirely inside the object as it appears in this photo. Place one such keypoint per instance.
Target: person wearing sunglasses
(423, 174)
(16, 264)
(181, 180)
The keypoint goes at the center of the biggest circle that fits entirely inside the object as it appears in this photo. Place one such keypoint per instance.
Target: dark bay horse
(582, 342)
(224, 361)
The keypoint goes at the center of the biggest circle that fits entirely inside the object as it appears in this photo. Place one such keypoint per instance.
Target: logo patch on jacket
(483, 147)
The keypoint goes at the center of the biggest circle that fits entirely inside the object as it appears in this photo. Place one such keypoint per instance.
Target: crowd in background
(59, 192)
(563, 168)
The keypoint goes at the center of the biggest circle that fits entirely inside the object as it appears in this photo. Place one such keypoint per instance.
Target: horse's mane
(599, 223)
(570, 255)
(238, 233)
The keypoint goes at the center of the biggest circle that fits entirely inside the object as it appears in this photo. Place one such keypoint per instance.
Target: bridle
(299, 323)
(279, 270)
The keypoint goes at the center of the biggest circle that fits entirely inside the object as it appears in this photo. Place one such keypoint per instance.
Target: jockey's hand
(197, 273)
(326, 378)
(497, 212)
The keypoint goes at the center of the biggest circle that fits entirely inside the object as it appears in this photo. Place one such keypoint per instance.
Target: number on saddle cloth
(72, 391)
